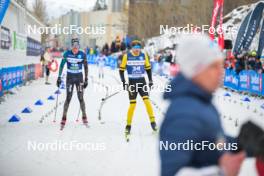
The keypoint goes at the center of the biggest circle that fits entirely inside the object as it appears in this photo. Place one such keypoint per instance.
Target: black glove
(124, 85)
(251, 139)
(150, 84)
(59, 81)
(85, 84)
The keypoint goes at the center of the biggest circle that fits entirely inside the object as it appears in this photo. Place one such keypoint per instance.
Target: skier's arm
(63, 62)
(148, 67)
(85, 68)
(122, 68)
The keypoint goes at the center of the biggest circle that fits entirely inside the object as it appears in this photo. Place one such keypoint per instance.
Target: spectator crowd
(245, 61)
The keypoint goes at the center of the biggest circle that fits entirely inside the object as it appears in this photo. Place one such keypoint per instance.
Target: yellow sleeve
(147, 62)
(123, 63)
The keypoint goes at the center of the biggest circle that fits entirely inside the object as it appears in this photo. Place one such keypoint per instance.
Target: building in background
(17, 46)
(107, 15)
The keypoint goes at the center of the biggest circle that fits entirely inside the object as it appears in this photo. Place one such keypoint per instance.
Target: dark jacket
(190, 116)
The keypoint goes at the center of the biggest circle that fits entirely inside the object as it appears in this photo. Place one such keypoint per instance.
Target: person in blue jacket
(191, 134)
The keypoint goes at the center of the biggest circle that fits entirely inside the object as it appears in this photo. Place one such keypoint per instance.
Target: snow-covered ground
(110, 153)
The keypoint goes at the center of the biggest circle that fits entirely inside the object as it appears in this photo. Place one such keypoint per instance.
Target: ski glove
(59, 81)
(85, 84)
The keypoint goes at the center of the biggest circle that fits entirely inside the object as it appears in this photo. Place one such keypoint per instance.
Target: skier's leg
(99, 73)
(145, 96)
(102, 71)
(130, 112)
(69, 87)
(132, 97)
(47, 74)
(79, 87)
(149, 108)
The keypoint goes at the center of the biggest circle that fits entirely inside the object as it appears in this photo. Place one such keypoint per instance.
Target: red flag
(260, 167)
(221, 40)
(218, 7)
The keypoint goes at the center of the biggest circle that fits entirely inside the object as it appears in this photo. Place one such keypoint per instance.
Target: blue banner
(261, 42)
(91, 59)
(253, 25)
(33, 47)
(11, 77)
(247, 81)
(1, 86)
(255, 82)
(3, 7)
(231, 79)
(244, 81)
(241, 35)
(112, 62)
(248, 30)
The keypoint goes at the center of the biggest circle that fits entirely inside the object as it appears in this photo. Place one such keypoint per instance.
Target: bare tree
(23, 2)
(39, 10)
(146, 16)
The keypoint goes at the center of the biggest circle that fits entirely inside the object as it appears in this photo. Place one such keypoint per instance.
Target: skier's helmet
(136, 44)
(75, 43)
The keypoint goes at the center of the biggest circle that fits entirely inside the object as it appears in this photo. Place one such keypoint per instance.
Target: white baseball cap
(195, 52)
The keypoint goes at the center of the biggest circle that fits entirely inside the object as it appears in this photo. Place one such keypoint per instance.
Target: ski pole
(77, 120)
(56, 107)
(102, 103)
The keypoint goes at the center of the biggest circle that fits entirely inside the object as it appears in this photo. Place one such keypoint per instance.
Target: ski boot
(85, 121)
(127, 132)
(154, 127)
(63, 122)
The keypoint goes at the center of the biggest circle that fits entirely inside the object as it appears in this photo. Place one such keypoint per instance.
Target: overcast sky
(55, 8)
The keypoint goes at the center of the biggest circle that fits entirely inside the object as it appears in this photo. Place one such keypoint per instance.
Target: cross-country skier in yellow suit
(137, 63)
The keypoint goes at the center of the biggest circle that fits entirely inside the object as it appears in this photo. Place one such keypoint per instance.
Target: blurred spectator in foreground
(192, 118)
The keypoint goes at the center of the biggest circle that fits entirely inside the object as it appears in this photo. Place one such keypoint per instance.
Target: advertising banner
(247, 81)
(33, 47)
(244, 81)
(5, 38)
(255, 82)
(19, 42)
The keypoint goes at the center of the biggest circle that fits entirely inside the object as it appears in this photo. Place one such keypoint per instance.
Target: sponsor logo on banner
(247, 81)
